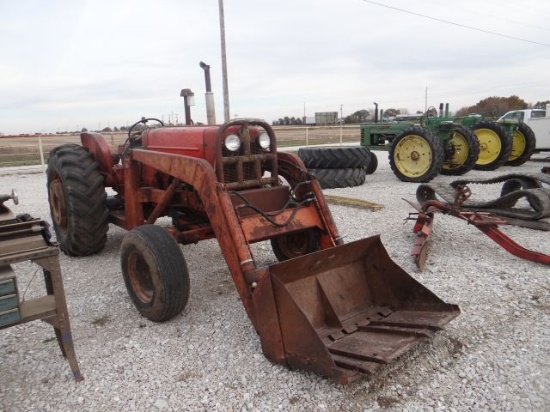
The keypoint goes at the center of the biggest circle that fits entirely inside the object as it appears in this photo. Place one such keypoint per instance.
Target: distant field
(21, 151)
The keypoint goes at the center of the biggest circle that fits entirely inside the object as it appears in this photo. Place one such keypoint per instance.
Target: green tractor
(421, 146)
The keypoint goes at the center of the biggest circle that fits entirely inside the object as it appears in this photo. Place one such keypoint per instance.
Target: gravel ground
(495, 356)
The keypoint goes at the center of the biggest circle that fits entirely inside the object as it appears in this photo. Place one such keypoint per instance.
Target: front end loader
(340, 310)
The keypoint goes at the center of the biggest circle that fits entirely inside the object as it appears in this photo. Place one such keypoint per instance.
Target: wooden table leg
(54, 285)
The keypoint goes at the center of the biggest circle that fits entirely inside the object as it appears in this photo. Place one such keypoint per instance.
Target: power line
(456, 24)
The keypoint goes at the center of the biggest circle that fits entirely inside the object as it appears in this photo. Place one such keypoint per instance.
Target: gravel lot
(495, 356)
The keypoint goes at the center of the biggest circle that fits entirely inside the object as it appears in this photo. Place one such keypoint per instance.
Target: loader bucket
(348, 310)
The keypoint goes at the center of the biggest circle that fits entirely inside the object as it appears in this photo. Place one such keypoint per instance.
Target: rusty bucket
(345, 311)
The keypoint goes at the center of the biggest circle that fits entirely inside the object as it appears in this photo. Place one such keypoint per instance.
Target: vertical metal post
(187, 111)
(188, 100)
(209, 96)
(341, 124)
(224, 65)
(41, 149)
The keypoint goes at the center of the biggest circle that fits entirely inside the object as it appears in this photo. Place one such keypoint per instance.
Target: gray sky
(68, 64)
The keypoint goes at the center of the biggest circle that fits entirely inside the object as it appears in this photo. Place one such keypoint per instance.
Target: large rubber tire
(461, 152)
(523, 145)
(416, 155)
(77, 200)
(155, 272)
(337, 178)
(295, 244)
(373, 164)
(334, 157)
(495, 145)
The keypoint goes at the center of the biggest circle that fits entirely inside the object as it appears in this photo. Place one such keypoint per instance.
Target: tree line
(497, 106)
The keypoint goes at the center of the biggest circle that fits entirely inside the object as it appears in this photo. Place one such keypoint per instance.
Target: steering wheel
(134, 137)
(431, 112)
(144, 120)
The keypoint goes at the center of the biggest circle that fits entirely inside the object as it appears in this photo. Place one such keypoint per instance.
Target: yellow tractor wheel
(495, 145)
(416, 155)
(461, 151)
(523, 145)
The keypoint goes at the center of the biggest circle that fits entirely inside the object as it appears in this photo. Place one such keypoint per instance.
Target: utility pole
(224, 65)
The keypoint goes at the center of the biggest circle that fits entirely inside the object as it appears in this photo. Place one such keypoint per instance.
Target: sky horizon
(67, 65)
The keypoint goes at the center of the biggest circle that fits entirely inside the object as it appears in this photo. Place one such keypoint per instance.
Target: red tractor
(340, 310)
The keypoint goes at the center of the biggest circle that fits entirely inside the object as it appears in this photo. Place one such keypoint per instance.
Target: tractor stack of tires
(337, 167)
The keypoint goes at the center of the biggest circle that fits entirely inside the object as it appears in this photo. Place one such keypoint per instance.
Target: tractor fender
(101, 153)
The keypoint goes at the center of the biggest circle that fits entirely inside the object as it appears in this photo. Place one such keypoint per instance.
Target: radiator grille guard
(246, 167)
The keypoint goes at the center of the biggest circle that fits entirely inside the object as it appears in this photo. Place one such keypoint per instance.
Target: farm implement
(487, 216)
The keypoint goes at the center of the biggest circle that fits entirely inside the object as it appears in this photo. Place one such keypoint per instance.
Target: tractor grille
(245, 167)
(231, 171)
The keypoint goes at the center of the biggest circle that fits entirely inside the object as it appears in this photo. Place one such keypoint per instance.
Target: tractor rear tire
(334, 157)
(337, 178)
(461, 152)
(155, 272)
(523, 145)
(495, 145)
(295, 244)
(416, 155)
(77, 200)
(373, 163)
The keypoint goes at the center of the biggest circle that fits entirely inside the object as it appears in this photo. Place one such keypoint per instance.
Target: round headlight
(264, 140)
(232, 142)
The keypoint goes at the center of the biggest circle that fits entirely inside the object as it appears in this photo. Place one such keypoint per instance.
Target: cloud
(105, 62)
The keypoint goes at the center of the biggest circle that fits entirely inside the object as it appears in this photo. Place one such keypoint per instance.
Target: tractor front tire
(155, 272)
(461, 152)
(495, 145)
(295, 244)
(523, 145)
(416, 155)
(77, 200)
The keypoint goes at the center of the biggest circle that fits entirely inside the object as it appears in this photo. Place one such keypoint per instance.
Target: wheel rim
(519, 143)
(490, 146)
(140, 278)
(461, 151)
(58, 205)
(294, 244)
(413, 156)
